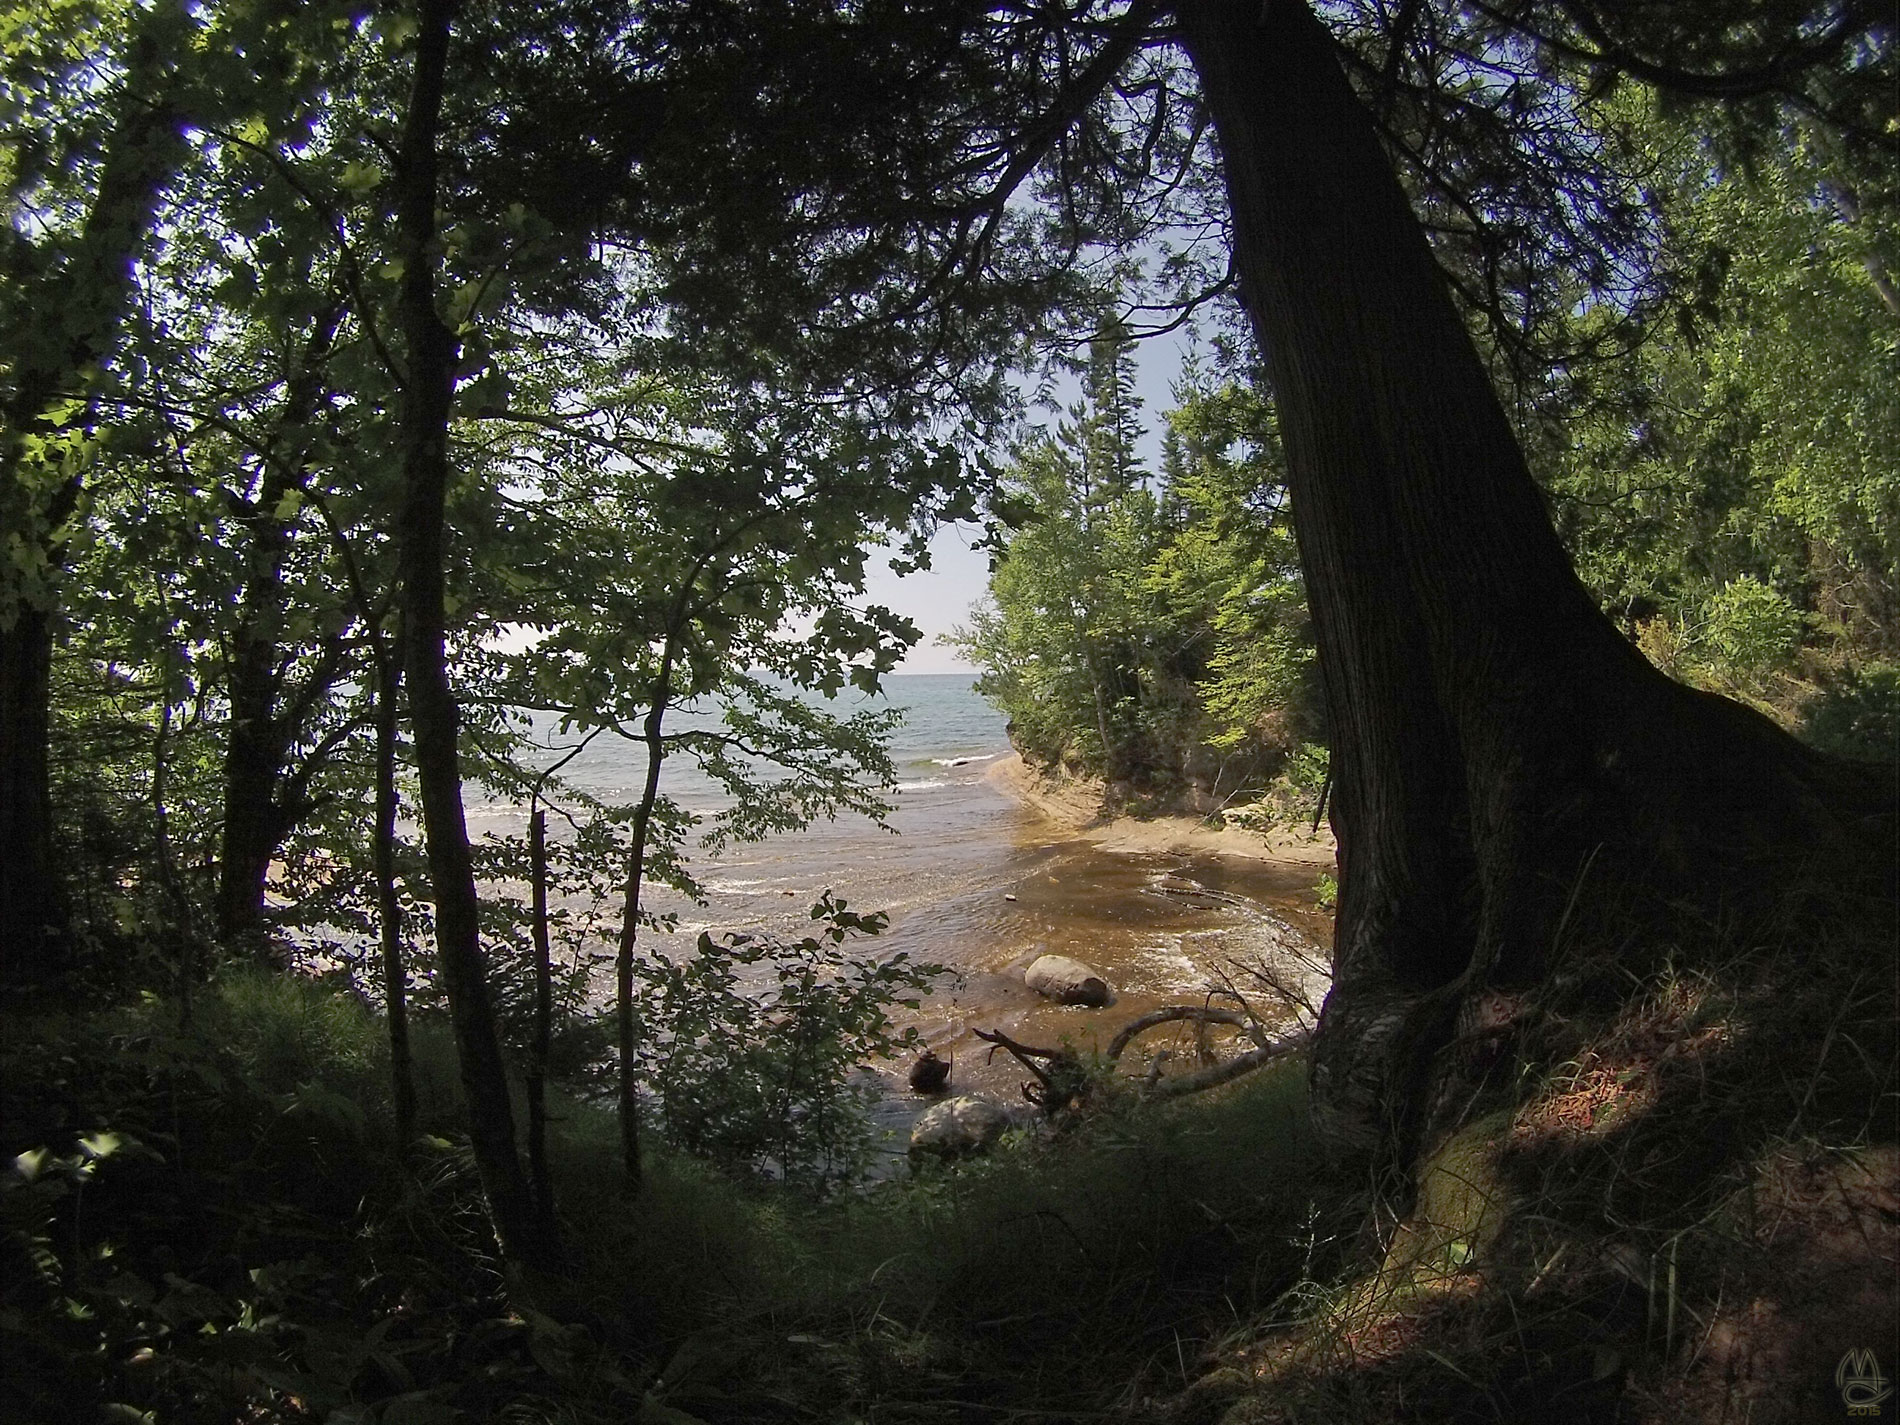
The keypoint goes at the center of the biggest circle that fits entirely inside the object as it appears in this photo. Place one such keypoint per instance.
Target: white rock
(965, 1124)
(1067, 981)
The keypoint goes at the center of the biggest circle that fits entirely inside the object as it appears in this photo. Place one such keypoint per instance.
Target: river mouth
(1161, 928)
(981, 873)
(982, 884)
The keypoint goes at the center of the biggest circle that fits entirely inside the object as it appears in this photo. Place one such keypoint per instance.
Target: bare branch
(1225, 1073)
(1174, 1014)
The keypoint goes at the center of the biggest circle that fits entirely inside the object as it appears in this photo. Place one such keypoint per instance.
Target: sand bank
(1075, 805)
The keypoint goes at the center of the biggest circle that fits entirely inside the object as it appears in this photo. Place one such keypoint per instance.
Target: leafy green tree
(69, 284)
(1150, 630)
(1230, 569)
(673, 543)
(1730, 473)
(112, 103)
(430, 352)
(1065, 645)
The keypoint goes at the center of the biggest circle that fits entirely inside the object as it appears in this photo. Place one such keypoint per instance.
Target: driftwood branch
(1172, 1014)
(1217, 1074)
(1026, 1054)
(1058, 1085)
(1056, 1069)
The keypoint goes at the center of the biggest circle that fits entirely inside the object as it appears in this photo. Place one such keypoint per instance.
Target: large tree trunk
(1493, 734)
(428, 396)
(258, 738)
(67, 322)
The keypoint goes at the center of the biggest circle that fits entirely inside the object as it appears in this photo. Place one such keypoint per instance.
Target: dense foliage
(766, 1079)
(1149, 628)
(1719, 465)
(1725, 485)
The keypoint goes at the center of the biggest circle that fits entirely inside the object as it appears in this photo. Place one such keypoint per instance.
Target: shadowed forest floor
(1686, 1212)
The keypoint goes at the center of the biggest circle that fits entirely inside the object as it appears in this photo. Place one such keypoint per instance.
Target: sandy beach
(1075, 806)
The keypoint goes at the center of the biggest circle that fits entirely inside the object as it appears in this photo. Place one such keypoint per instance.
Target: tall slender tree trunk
(626, 1021)
(74, 316)
(259, 732)
(388, 902)
(428, 396)
(1492, 732)
(538, 1174)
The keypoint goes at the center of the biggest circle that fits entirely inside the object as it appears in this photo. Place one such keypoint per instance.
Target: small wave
(729, 887)
(923, 786)
(963, 761)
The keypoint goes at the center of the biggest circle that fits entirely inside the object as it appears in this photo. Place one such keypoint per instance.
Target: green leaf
(29, 1163)
(359, 178)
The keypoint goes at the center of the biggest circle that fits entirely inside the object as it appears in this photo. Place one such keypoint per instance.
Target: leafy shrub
(753, 1045)
(1749, 629)
(1662, 643)
(1326, 892)
(1293, 797)
(1857, 715)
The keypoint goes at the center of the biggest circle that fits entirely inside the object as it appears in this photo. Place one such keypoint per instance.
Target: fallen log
(1215, 1075)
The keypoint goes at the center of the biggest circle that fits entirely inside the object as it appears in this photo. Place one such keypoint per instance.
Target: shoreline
(1075, 805)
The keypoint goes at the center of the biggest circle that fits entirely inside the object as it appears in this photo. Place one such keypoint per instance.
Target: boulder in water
(929, 1074)
(1067, 981)
(958, 1127)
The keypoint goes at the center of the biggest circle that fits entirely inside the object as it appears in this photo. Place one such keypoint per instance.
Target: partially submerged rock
(930, 1074)
(958, 1127)
(1067, 981)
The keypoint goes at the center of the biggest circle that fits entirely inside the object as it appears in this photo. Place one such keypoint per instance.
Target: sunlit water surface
(974, 880)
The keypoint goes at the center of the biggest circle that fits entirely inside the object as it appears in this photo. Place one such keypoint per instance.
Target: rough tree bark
(63, 325)
(427, 400)
(1493, 734)
(260, 807)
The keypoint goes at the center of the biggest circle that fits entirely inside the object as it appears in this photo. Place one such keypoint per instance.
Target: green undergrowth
(1674, 1199)
(207, 1219)
(1665, 1201)
(1077, 1275)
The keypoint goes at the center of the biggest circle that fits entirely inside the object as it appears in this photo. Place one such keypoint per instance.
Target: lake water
(975, 880)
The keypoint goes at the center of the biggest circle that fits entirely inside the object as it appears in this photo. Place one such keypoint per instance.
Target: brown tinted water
(980, 883)
(974, 879)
